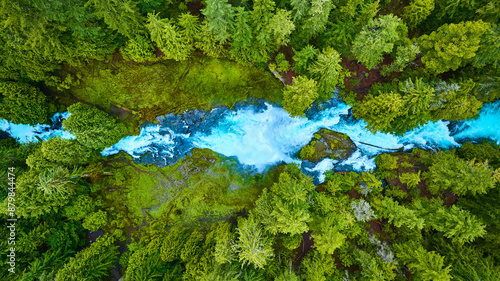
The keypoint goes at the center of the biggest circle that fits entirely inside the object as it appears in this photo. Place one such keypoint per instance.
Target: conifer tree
(120, 15)
(220, 18)
(168, 38)
(452, 45)
(377, 38)
(253, 245)
(328, 71)
(379, 111)
(304, 58)
(417, 11)
(282, 26)
(299, 96)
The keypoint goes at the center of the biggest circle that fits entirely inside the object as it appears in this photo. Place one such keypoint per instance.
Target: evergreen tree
(424, 265)
(299, 96)
(93, 128)
(399, 215)
(253, 245)
(190, 26)
(22, 103)
(261, 15)
(377, 38)
(304, 58)
(417, 11)
(168, 38)
(120, 15)
(460, 176)
(93, 263)
(67, 152)
(452, 45)
(328, 71)
(220, 18)
(282, 26)
(379, 111)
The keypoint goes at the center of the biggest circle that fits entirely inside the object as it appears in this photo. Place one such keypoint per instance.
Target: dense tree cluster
(418, 216)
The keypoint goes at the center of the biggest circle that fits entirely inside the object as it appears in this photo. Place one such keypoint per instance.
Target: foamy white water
(266, 137)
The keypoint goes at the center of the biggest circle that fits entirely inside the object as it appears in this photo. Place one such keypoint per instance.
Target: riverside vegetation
(420, 215)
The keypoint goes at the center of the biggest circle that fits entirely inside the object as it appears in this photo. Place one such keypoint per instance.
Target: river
(261, 135)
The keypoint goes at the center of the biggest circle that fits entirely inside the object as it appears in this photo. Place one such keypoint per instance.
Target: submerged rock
(326, 143)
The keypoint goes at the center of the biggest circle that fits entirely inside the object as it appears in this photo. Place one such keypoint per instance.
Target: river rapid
(260, 135)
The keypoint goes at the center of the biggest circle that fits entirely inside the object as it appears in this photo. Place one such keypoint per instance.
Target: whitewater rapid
(260, 136)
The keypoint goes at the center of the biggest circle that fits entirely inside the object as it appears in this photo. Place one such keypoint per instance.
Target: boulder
(327, 143)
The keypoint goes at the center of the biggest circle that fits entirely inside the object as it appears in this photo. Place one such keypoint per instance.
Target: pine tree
(417, 11)
(299, 96)
(452, 45)
(304, 58)
(168, 38)
(120, 15)
(253, 245)
(460, 176)
(190, 26)
(377, 38)
(261, 15)
(93, 128)
(379, 111)
(282, 26)
(219, 15)
(328, 71)
(399, 215)
(22, 103)
(424, 265)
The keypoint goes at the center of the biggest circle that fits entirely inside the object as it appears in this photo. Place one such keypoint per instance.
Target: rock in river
(326, 143)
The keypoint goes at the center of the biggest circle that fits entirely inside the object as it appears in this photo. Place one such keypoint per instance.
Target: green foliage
(220, 18)
(282, 64)
(460, 176)
(316, 266)
(93, 128)
(379, 111)
(139, 49)
(253, 245)
(377, 38)
(22, 103)
(224, 252)
(67, 152)
(386, 162)
(307, 152)
(328, 71)
(285, 208)
(282, 26)
(122, 16)
(480, 152)
(410, 179)
(190, 25)
(405, 54)
(400, 215)
(417, 11)
(95, 220)
(299, 96)
(489, 51)
(66, 236)
(425, 265)
(458, 225)
(93, 263)
(304, 58)
(452, 45)
(168, 38)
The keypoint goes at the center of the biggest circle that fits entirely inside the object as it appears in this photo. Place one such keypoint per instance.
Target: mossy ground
(171, 86)
(203, 188)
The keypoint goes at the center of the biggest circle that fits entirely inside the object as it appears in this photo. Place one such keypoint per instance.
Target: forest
(69, 211)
